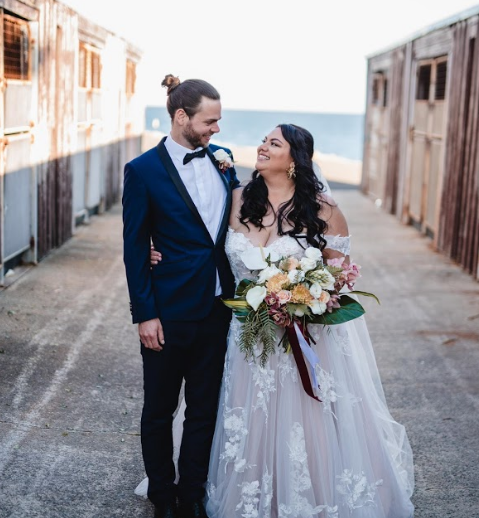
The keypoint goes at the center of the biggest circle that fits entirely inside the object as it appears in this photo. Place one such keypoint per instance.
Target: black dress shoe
(166, 511)
(192, 510)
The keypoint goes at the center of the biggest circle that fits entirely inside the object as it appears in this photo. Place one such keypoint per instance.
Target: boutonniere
(223, 159)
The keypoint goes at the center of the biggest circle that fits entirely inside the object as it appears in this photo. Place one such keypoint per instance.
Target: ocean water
(334, 134)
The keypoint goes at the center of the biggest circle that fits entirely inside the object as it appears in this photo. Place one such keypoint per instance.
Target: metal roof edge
(441, 24)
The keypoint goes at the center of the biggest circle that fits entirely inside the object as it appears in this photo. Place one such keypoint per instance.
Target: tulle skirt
(278, 453)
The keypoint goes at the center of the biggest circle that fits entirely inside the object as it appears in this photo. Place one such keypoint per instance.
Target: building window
(89, 74)
(380, 90)
(375, 90)
(130, 77)
(423, 83)
(82, 77)
(441, 76)
(16, 41)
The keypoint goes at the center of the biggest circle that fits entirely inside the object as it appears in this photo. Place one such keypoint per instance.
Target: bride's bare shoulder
(332, 214)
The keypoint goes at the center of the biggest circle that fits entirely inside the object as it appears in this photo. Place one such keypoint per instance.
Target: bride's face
(274, 154)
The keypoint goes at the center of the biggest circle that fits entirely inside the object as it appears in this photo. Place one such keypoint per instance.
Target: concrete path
(71, 381)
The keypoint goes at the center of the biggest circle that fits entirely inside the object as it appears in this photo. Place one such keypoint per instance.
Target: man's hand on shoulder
(151, 334)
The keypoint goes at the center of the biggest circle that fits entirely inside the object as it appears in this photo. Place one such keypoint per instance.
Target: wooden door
(427, 142)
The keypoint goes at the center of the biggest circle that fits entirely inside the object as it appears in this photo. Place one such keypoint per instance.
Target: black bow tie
(196, 154)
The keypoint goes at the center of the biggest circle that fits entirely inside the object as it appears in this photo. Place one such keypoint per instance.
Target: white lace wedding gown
(278, 453)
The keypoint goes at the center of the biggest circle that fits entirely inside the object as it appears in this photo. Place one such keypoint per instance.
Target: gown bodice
(284, 246)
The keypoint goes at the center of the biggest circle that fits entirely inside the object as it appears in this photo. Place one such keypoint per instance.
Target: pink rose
(337, 262)
(284, 296)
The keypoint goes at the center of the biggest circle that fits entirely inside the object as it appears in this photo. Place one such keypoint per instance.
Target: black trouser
(194, 351)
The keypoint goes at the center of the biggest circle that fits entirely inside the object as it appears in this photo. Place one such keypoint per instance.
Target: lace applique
(210, 489)
(264, 379)
(236, 432)
(250, 492)
(286, 367)
(341, 244)
(300, 478)
(327, 389)
(356, 490)
(354, 400)
(341, 338)
(267, 492)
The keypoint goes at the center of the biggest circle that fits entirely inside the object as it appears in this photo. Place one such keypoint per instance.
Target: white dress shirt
(205, 187)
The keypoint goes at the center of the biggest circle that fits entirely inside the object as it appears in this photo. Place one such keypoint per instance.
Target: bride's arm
(337, 233)
(235, 208)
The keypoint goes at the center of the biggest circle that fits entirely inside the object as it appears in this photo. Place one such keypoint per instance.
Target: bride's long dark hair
(301, 211)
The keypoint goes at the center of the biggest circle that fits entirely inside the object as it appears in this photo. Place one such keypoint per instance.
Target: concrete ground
(71, 380)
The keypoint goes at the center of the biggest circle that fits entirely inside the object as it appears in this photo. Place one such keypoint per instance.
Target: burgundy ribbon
(298, 356)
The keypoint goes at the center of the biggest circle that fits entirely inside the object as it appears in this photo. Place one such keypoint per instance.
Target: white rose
(221, 155)
(299, 312)
(326, 281)
(307, 264)
(313, 253)
(254, 258)
(318, 308)
(315, 290)
(295, 276)
(267, 273)
(255, 296)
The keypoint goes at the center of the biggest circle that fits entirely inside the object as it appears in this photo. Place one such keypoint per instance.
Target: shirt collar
(177, 150)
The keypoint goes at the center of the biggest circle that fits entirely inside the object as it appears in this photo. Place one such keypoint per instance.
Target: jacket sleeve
(235, 183)
(136, 246)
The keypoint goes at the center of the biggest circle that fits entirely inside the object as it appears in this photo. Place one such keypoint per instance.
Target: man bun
(170, 82)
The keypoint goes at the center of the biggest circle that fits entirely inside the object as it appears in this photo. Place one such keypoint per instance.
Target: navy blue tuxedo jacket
(157, 206)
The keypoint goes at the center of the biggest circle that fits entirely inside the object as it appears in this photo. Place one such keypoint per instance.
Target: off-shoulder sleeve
(341, 244)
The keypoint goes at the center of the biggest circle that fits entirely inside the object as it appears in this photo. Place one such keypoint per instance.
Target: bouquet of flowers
(289, 293)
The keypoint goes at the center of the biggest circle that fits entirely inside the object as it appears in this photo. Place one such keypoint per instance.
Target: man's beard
(192, 137)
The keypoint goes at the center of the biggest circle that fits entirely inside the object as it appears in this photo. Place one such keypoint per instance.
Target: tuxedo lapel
(176, 179)
(226, 213)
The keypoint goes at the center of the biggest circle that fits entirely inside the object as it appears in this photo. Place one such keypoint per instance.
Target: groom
(178, 195)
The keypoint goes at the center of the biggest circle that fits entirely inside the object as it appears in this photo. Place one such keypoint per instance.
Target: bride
(277, 452)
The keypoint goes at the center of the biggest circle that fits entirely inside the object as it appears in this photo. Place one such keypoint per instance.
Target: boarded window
(380, 89)
(441, 76)
(423, 83)
(89, 64)
(16, 41)
(130, 77)
(385, 92)
(376, 86)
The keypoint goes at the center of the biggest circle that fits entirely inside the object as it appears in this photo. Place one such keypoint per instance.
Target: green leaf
(366, 294)
(349, 310)
(243, 287)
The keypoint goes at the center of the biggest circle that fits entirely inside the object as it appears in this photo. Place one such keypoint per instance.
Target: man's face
(199, 129)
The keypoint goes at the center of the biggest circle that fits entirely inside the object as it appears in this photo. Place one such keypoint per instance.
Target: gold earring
(291, 171)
